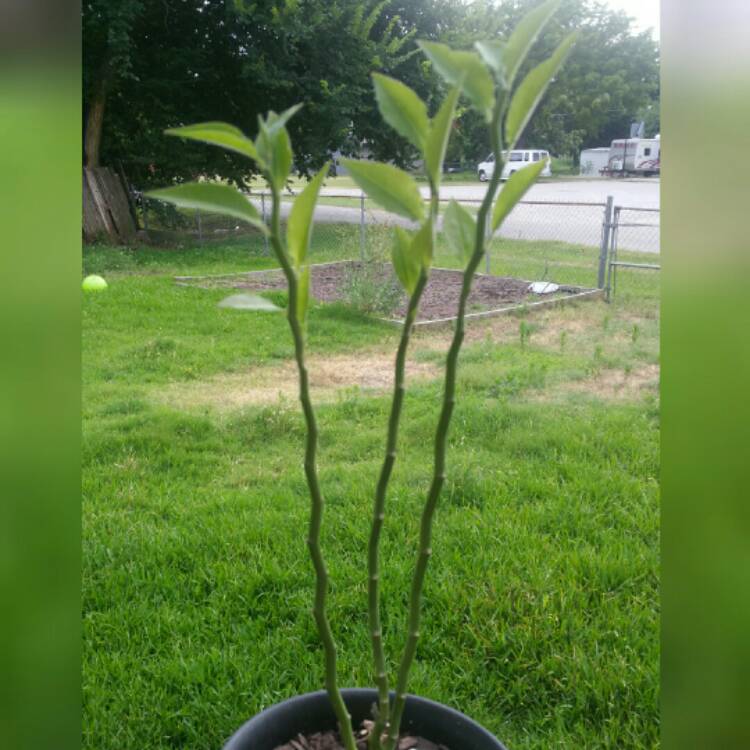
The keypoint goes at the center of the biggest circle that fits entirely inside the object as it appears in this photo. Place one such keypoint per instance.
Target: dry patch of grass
(329, 376)
(548, 324)
(608, 385)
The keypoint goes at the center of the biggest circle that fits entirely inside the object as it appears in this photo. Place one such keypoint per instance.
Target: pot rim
(418, 712)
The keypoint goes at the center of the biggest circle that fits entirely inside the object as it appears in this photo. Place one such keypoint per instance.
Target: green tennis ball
(94, 283)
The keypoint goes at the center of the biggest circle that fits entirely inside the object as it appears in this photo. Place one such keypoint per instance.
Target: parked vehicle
(634, 156)
(593, 160)
(514, 161)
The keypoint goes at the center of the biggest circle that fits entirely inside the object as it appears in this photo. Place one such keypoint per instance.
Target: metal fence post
(263, 217)
(611, 265)
(200, 225)
(362, 226)
(606, 228)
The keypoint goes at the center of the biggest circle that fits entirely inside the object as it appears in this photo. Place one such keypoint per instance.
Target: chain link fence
(634, 259)
(591, 245)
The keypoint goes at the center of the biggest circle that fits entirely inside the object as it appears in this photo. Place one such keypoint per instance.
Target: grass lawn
(541, 606)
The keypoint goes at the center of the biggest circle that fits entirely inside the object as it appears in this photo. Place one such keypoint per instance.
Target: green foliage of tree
(611, 80)
(151, 66)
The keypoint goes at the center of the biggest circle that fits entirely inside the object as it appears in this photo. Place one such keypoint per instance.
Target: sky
(645, 12)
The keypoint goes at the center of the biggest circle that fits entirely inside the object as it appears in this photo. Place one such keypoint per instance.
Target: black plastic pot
(312, 712)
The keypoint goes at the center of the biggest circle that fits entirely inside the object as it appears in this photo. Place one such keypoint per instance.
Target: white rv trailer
(634, 156)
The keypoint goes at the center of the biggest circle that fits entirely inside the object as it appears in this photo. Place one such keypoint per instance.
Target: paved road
(577, 224)
(642, 193)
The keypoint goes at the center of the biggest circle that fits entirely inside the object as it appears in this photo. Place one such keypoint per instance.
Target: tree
(611, 77)
(158, 65)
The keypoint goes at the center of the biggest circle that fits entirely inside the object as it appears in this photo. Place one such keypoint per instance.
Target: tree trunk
(106, 214)
(94, 120)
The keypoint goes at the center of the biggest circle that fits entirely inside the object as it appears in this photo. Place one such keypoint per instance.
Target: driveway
(641, 193)
(532, 220)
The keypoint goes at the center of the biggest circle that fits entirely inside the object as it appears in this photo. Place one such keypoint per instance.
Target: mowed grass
(541, 606)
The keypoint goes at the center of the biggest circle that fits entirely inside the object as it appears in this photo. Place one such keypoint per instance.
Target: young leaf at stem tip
(213, 198)
(281, 160)
(530, 91)
(437, 140)
(219, 134)
(390, 187)
(513, 190)
(464, 69)
(273, 146)
(402, 109)
(275, 122)
(406, 263)
(300, 223)
(524, 35)
(460, 230)
(492, 53)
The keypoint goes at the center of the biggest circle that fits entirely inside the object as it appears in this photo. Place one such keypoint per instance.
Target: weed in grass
(370, 288)
(563, 340)
(635, 333)
(525, 330)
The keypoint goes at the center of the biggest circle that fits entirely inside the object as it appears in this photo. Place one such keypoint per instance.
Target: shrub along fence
(595, 245)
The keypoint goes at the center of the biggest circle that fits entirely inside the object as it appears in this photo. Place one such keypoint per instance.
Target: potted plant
(379, 718)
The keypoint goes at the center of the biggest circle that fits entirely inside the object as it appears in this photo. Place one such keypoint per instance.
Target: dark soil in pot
(434, 725)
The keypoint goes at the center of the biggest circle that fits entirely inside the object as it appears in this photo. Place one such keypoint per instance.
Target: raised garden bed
(490, 295)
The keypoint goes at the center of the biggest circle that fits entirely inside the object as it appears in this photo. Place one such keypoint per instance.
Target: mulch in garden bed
(439, 299)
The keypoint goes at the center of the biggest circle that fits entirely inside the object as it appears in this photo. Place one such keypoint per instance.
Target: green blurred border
(705, 377)
(705, 405)
(40, 215)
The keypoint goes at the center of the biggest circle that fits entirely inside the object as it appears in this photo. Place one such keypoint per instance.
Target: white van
(513, 162)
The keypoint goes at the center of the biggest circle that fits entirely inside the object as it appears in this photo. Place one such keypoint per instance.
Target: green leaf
(218, 134)
(464, 69)
(421, 246)
(389, 186)
(274, 147)
(249, 302)
(530, 91)
(402, 109)
(460, 230)
(513, 190)
(524, 36)
(406, 264)
(493, 55)
(437, 140)
(281, 158)
(274, 123)
(299, 226)
(213, 198)
(303, 295)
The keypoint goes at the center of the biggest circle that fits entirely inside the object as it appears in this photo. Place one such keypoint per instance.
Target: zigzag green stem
(441, 439)
(316, 496)
(373, 557)
(373, 568)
